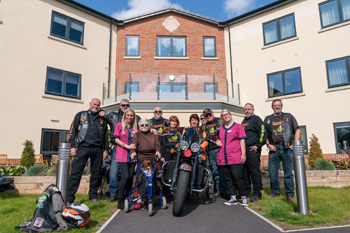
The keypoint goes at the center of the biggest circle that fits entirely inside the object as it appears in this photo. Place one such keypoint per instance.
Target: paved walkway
(200, 218)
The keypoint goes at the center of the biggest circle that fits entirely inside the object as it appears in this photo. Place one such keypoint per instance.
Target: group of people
(233, 149)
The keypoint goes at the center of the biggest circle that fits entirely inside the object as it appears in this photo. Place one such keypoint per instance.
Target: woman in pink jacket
(231, 156)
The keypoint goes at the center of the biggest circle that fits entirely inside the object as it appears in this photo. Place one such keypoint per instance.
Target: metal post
(228, 98)
(214, 96)
(158, 86)
(300, 177)
(186, 88)
(103, 93)
(239, 94)
(63, 169)
(130, 87)
(116, 91)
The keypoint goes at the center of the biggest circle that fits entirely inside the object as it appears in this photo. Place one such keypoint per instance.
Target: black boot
(120, 203)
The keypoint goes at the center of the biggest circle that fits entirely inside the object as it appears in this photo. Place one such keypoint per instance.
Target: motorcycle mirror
(166, 123)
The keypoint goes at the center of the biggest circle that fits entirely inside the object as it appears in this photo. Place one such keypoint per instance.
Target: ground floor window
(51, 139)
(342, 136)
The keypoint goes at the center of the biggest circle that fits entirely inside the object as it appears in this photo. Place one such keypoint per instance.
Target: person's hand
(73, 151)
(158, 154)
(163, 160)
(88, 177)
(218, 143)
(105, 155)
(102, 113)
(177, 145)
(271, 147)
(291, 147)
(132, 156)
(243, 159)
(254, 148)
(154, 131)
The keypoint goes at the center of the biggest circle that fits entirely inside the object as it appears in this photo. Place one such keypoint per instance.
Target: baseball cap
(207, 110)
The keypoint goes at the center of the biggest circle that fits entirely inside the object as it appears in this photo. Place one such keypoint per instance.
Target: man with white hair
(158, 121)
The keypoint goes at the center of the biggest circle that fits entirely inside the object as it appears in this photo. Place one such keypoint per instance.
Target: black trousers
(78, 165)
(125, 184)
(234, 178)
(252, 173)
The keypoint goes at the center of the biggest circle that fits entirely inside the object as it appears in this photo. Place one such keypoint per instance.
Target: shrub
(323, 164)
(28, 158)
(341, 165)
(52, 171)
(17, 170)
(315, 150)
(306, 167)
(4, 170)
(37, 170)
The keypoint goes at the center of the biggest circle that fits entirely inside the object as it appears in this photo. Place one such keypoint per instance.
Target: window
(209, 47)
(171, 46)
(172, 87)
(342, 136)
(67, 28)
(338, 72)
(132, 45)
(284, 82)
(134, 87)
(303, 138)
(59, 82)
(209, 87)
(279, 29)
(51, 139)
(334, 12)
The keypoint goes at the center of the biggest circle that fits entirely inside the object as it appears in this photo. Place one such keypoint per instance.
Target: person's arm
(260, 127)
(72, 133)
(242, 144)
(158, 147)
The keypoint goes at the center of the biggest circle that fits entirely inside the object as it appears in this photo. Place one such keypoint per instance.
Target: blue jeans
(218, 177)
(114, 175)
(286, 156)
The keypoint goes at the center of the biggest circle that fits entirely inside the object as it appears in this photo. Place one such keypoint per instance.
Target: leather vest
(84, 125)
(287, 128)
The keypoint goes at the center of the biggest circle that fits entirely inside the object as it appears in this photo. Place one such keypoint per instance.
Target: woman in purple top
(123, 133)
(231, 156)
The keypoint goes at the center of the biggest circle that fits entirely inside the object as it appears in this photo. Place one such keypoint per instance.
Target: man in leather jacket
(113, 119)
(281, 129)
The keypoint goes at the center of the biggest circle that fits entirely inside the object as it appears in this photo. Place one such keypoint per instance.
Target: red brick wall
(148, 67)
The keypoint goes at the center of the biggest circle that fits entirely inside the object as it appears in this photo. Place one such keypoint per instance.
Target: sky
(217, 9)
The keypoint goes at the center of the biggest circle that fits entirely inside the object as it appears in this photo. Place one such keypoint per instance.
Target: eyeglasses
(276, 105)
(202, 118)
(125, 105)
(226, 115)
(207, 115)
(144, 125)
(157, 111)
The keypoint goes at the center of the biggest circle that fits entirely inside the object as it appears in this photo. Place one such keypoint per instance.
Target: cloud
(237, 7)
(138, 7)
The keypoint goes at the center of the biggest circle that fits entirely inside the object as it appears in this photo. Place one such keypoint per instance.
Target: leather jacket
(287, 127)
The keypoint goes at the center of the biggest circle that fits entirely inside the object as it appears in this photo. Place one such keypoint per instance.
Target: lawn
(15, 209)
(328, 207)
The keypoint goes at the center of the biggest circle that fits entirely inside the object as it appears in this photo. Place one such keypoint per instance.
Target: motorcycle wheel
(163, 203)
(126, 205)
(150, 209)
(181, 192)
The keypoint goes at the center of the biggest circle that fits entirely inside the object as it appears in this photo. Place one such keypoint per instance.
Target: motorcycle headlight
(183, 145)
(195, 147)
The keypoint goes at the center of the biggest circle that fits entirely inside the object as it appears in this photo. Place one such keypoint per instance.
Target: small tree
(28, 158)
(315, 150)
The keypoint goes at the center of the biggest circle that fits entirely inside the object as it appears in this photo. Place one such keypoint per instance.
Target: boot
(120, 203)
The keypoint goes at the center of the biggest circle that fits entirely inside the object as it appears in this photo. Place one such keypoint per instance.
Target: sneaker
(244, 201)
(255, 198)
(231, 202)
(137, 206)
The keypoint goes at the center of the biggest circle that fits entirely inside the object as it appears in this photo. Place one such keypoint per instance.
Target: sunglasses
(157, 111)
(144, 125)
(202, 118)
(125, 105)
(207, 115)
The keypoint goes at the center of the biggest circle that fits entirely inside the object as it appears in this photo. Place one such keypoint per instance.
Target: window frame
(283, 81)
(171, 86)
(277, 20)
(340, 13)
(64, 75)
(68, 25)
(138, 45)
(209, 37)
(347, 68)
(62, 138)
(215, 86)
(126, 89)
(171, 46)
(346, 123)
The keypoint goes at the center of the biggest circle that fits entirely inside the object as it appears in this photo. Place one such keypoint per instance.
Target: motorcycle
(190, 173)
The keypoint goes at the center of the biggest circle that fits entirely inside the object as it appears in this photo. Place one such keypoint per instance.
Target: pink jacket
(123, 154)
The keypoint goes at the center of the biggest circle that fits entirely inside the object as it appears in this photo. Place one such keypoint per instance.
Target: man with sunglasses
(202, 119)
(158, 121)
(113, 119)
(212, 124)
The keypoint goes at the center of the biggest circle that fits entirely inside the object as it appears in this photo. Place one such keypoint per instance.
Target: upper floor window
(284, 82)
(209, 46)
(134, 87)
(171, 46)
(338, 72)
(172, 87)
(342, 136)
(132, 45)
(334, 12)
(67, 28)
(64, 83)
(279, 29)
(209, 87)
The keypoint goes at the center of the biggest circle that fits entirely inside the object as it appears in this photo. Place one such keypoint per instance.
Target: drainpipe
(229, 43)
(109, 59)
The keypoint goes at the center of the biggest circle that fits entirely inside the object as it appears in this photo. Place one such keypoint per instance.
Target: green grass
(16, 208)
(328, 207)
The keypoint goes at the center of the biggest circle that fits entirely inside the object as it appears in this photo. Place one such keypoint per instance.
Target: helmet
(77, 214)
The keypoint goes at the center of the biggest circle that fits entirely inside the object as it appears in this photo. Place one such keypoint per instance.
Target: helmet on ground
(77, 214)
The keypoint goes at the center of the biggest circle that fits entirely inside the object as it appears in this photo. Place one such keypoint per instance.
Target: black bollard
(63, 169)
(300, 177)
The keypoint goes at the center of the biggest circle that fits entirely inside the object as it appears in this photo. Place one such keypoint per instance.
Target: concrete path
(200, 218)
